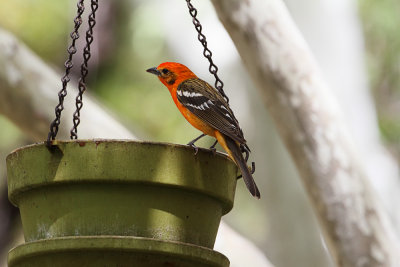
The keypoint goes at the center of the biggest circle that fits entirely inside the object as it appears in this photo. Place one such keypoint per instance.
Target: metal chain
(213, 70)
(84, 70)
(65, 79)
(207, 53)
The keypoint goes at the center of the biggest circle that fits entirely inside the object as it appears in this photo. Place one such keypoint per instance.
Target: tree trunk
(310, 124)
(334, 33)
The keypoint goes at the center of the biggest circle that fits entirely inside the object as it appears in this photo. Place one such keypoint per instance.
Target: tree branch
(309, 122)
(28, 90)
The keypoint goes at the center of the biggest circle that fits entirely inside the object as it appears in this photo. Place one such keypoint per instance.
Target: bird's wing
(208, 104)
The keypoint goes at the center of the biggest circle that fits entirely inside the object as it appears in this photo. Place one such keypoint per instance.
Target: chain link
(65, 79)
(207, 53)
(84, 70)
(213, 70)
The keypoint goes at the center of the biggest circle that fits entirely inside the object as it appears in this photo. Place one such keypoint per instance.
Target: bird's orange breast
(191, 118)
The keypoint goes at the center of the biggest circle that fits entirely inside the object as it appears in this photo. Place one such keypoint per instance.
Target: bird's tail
(244, 169)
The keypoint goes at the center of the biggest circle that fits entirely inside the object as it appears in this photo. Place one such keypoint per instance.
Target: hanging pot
(120, 188)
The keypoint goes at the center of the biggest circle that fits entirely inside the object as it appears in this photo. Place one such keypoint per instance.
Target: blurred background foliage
(132, 38)
(135, 41)
(381, 22)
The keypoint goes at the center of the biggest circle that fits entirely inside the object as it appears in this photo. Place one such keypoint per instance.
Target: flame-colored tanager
(207, 110)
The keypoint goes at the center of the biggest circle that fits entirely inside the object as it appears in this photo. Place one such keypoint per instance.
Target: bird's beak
(154, 71)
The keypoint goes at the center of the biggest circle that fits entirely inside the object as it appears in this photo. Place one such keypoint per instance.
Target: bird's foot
(196, 149)
(191, 143)
(213, 149)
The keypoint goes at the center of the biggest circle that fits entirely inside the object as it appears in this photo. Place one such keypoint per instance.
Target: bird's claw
(196, 149)
(191, 143)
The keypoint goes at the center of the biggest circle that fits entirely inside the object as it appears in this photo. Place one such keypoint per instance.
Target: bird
(206, 109)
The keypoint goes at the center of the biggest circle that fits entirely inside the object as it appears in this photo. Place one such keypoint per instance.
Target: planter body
(121, 188)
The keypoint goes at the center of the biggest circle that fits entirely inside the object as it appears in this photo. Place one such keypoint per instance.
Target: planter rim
(98, 141)
(213, 181)
(118, 243)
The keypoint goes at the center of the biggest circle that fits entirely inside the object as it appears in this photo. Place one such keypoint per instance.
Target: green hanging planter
(109, 188)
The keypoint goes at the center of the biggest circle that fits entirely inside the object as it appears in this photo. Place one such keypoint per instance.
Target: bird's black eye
(165, 71)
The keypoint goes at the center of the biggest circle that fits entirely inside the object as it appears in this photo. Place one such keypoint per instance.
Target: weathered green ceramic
(121, 188)
(112, 252)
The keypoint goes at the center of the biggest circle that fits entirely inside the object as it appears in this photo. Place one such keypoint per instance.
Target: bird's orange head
(171, 74)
